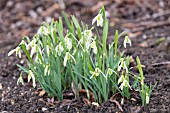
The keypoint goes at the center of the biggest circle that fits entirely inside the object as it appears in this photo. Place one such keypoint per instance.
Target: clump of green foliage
(81, 57)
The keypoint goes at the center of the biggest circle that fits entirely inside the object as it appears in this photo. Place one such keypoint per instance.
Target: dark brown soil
(147, 22)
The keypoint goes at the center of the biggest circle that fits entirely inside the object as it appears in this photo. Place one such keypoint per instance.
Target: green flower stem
(116, 43)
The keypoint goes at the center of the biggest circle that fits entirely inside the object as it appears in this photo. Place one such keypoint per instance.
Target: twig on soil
(99, 5)
(113, 99)
(61, 4)
(117, 103)
(161, 63)
(154, 16)
(50, 10)
(151, 25)
(68, 107)
(96, 7)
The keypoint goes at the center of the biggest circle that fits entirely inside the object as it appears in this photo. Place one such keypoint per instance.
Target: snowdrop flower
(122, 64)
(95, 73)
(87, 34)
(59, 49)
(127, 40)
(37, 59)
(110, 71)
(87, 39)
(33, 50)
(43, 30)
(68, 43)
(20, 80)
(17, 50)
(31, 75)
(46, 70)
(99, 19)
(93, 45)
(124, 82)
(33, 46)
(67, 57)
(23, 42)
(147, 98)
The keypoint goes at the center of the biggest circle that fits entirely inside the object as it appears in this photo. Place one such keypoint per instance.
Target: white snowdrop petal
(11, 52)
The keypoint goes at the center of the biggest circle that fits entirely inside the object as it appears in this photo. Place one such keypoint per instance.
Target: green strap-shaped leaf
(27, 53)
(60, 32)
(77, 26)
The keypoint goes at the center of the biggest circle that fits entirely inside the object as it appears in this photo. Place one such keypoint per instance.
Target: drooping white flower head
(33, 46)
(59, 49)
(127, 40)
(88, 35)
(123, 81)
(43, 30)
(122, 65)
(17, 50)
(68, 43)
(31, 75)
(87, 38)
(68, 56)
(95, 73)
(99, 19)
(110, 71)
(20, 80)
(147, 98)
(93, 45)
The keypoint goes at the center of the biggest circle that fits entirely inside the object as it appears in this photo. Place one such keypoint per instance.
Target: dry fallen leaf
(143, 44)
(42, 93)
(129, 25)
(132, 61)
(86, 101)
(83, 92)
(74, 88)
(68, 95)
(133, 35)
(65, 102)
(133, 99)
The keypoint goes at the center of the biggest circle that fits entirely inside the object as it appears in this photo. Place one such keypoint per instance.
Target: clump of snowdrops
(56, 61)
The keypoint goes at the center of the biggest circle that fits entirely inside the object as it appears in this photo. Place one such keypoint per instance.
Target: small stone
(12, 102)
(4, 112)
(14, 77)
(10, 3)
(39, 10)
(33, 14)
(44, 109)
(95, 104)
(48, 19)
(42, 93)
(107, 14)
(0, 86)
(144, 36)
